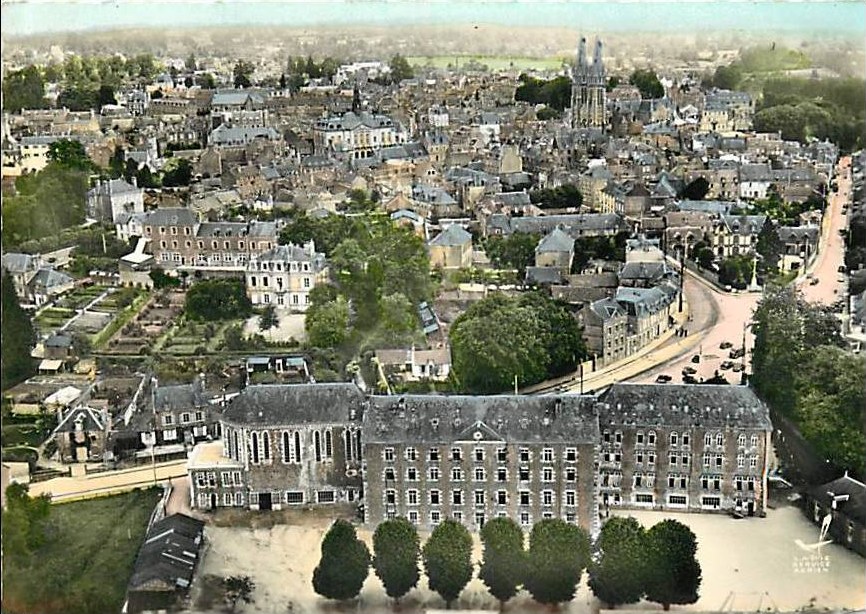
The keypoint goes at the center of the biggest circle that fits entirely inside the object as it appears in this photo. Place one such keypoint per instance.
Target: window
(713, 502)
(643, 498)
(640, 437)
(651, 438)
(168, 420)
(651, 458)
(677, 500)
(434, 497)
(457, 474)
(411, 454)
(523, 474)
(294, 497)
(501, 455)
(547, 474)
(456, 454)
(525, 519)
(753, 441)
(547, 497)
(547, 455)
(741, 440)
(501, 497)
(719, 460)
(570, 497)
(390, 496)
(524, 455)
(456, 497)
(617, 437)
(412, 497)
(639, 458)
(524, 497)
(479, 455)
(673, 458)
(571, 474)
(390, 474)
(412, 474)
(707, 459)
(502, 474)
(708, 439)
(684, 459)
(433, 474)
(435, 517)
(571, 455)
(325, 496)
(479, 497)
(457, 516)
(741, 461)
(720, 439)
(685, 439)
(236, 478)
(389, 455)
(674, 438)
(433, 454)
(199, 416)
(413, 517)
(479, 474)
(753, 461)
(606, 436)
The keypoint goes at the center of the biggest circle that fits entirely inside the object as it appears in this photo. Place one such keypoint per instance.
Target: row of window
(228, 499)
(525, 518)
(290, 444)
(479, 454)
(480, 497)
(209, 479)
(185, 418)
(679, 439)
(266, 281)
(479, 474)
(278, 266)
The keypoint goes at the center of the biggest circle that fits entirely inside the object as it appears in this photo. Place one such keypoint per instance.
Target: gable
(478, 432)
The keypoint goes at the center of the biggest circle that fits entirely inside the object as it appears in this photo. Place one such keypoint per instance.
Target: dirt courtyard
(290, 326)
(748, 564)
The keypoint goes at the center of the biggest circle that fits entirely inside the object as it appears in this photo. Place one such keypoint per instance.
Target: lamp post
(682, 251)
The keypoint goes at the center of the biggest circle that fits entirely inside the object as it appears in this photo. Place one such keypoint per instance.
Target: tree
(344, 565)
(503, 563)
(23, 521)
(770, 247)
(736, 271)
(696, 189)
(448, 560)
(515, 251)
(558, 554)
(673, 573)
(395, 556)
(238, 589)
(399, 319)
(191, 65)
(177, 172)
(18, 336)
(561, 197)
(206, 81)
(105, 95)
(242, 72)
(69, 153)
(268, 319)
(217, 299)
(612, 83)
(24, 89)
(400, 69)
(619, 575)
(728, 77)
(328, 325)
(648, 83)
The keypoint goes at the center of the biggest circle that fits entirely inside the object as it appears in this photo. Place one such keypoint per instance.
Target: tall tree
(24, 89)
(328, 325)
(395, 556)
(503, 564)
(516, 251)
(243, 72)
(696, 189)
(673, 573)
(400, 69)
(448, 560)
(217, 299)
(268, 319)
(558, 554)
(18, 336)
(619, 575)
(648, 83)
(69, 153)
(770, 247)
(344, 565)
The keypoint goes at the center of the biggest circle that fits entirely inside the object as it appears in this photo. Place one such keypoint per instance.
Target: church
(588, 89)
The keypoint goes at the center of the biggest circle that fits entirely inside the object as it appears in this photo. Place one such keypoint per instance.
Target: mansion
(472, 458)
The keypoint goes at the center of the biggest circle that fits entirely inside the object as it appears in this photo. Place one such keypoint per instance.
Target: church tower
(588, 89)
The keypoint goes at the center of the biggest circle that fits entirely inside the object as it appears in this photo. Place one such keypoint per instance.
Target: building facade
(285, 275)
(588, 89)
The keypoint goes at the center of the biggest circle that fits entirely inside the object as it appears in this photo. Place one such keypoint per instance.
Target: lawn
(86, 561)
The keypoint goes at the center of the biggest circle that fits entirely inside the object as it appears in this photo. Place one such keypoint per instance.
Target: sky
(40, 17)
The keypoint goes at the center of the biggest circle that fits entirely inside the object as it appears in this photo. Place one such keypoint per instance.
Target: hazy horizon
(41, 18)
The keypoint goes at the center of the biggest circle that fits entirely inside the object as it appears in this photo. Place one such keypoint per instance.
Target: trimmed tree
(673, 572)
(619, 575)
(504, 559)
(558, 554)
(344, 565)
(448, 560)
(395, 556)
(268, 319)
(18, 336)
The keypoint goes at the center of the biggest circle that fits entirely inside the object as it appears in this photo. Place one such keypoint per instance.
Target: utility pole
(682, 274)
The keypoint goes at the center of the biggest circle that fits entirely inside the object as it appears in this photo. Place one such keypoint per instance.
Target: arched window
(329, 446)
(347, 444)
(266, 446)
(255, 446)
(287, 447)
(674, 438)
(358, 444)
(741, 440)
(720, 439)
(317, 443)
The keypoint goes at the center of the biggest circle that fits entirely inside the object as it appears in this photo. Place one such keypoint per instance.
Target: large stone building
(432, 457)
(285, 275)
(356, 136)
(588, 89)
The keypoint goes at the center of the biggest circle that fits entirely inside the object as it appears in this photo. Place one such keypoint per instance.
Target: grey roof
(683, 405)
(574, 224)
(645, 270)
(290, 253)
(352, 121)
(90, 419)
(49, 278)
(168, 556)
(744, 224)
(285, 404)
(445, 419)
(718, 207)
(556, 241)
(756, 172)
(58, 341)
(225, 134)
(174, 216)
(179, 397)
(607, 308)
(237, 229)
(451, 236)
(855, 506)
(513, 199)
(543, 275)
(19, 263)
(798, 233)
(114, 186)
(235, 98)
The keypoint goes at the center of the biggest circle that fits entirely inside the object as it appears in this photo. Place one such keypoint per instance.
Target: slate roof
(285, 404)
(682, 405)
(756, 172)
(20, 263)
(607, 308)
(225, 134)
(652, 271)
(556, 241)
(445, 419)
(353, 121)
(744, 224)
(58, 341)
(543, 275)
(174, 216)
(572, 223)
(91, 420)
(453, 235)
(855, 507)
(49, 278)
(512, 199)
(718, 207)
(798, 234)
(168, 556)
(642, 301)
(114, 186)
(179, 397)
(290, 253)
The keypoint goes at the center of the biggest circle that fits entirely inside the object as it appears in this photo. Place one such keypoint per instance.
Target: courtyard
(748, 565)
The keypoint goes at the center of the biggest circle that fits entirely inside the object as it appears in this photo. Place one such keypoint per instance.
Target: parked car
(663, 379)
(727, 365)
(736, 353)
(696, 358)
(725, 345)
(688, 379)
(813, 281)
(737, 367)
(689, 370)
(841, 269)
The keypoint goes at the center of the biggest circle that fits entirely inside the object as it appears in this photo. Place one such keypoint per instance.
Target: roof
(744, 224)
(278, 404)
(683, 405)
(168, 556)
(855, 507)
(50, 365)
(556, 241)
(174, 216)
(290, 253)
(798, 233)
(445, 419)
(607, 309)
(451, 236)
(64, 396)
(544, 275)
(58, 341)
(89, 418)
(178, 397)
(114, 186)
(49, 278)
(352, 121)
(20, 263)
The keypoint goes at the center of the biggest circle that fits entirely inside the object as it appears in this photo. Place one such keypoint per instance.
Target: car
(688, 379)
(841, 269)
(663, 379)
(736, 353)
(696, 358)
(727, 365)
(737, 368)
(689, 370)
(725, 345)
(813, 281)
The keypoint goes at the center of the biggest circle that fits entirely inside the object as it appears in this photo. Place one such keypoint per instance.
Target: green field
(86, 561)
(494, 63)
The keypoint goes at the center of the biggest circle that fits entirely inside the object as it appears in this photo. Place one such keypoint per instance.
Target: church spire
(596, 60)
(581, 53)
